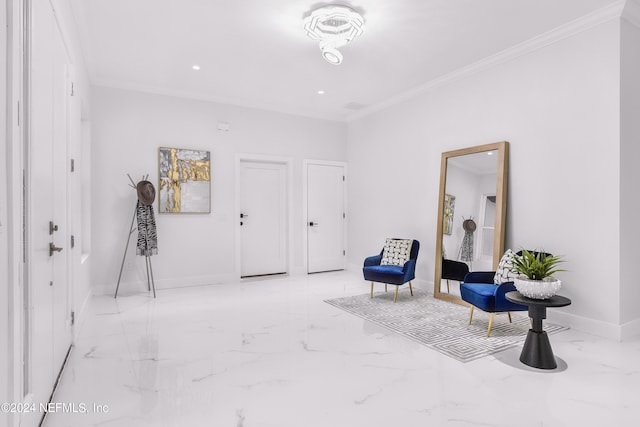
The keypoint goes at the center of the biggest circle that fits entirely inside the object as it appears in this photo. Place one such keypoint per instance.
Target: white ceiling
(479, 163)
(255, 52)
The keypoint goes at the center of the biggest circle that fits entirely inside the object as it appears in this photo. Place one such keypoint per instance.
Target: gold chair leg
(385, 287)
(509, 314)
(490, 323)
(371, 289)
(471, 315)
(395, 297)
(448, 290)
(410, 288)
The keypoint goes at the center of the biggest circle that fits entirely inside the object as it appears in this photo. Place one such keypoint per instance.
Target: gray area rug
(440, 325)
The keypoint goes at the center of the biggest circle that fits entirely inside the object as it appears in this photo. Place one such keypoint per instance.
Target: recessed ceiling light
(196, 67)
(320, 92)
(490, 153)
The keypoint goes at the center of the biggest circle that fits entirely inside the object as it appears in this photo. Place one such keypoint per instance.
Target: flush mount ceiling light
(333, 26)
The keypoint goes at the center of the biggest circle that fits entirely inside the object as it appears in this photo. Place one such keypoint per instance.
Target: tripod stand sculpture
(147, 242)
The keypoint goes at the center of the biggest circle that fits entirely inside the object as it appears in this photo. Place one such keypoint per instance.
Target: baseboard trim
(135, 286)
(630, 330)
(612, 331)
(140, 286)
(81, 314)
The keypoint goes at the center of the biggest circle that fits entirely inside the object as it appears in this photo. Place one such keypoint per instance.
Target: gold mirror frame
(501, 209)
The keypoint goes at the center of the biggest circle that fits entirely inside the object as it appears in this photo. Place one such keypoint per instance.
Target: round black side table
(537, 350)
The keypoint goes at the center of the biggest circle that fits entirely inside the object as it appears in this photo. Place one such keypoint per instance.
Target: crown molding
(631, 12)
(586, 22)
(198, 96)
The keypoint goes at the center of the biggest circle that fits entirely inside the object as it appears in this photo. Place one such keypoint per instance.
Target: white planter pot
(537, 289)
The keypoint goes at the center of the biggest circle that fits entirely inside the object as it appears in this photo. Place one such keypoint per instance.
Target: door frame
(305, 204)
(12, 37)
(260, 158)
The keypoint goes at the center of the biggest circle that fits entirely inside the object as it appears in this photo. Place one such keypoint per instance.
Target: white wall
(127, 129)
(630, 177)
(558, 106)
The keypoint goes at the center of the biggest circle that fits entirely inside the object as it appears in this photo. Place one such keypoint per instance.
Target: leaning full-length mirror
(471, 215)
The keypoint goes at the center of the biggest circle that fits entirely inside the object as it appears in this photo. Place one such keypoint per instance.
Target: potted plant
(535, 274)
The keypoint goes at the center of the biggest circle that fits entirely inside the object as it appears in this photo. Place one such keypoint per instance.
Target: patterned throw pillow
(505, 272)
(396, 252)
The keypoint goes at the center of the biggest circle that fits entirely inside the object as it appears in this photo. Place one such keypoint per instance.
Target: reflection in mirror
(471, 215)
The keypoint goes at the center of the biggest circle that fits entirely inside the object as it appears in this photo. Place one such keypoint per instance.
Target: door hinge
(18, 113)
(343, 177)
(73, 165)
(24, 216)
(344, 215)
(73, 241)
(344, 253)
(72, 90)
(73, 318)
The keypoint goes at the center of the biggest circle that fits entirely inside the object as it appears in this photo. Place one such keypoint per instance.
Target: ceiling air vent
(354, 106)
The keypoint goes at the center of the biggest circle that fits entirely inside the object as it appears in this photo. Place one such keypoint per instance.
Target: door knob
(53, 248)
(243, 215)
(313, 224)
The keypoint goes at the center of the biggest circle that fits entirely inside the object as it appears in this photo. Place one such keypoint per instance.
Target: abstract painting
(185, 181)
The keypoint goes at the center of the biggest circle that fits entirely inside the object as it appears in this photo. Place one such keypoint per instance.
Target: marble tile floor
(271, 353)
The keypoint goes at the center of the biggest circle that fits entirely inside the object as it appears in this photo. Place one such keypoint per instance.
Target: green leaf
(536, 265)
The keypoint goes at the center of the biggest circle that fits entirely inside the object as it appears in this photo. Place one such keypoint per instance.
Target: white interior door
(48, 330)
(263, 218)
(325, 217)
(39, 352)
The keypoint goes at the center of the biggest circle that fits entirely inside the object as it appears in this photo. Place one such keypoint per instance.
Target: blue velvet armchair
(479, 290)
(391, 274)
